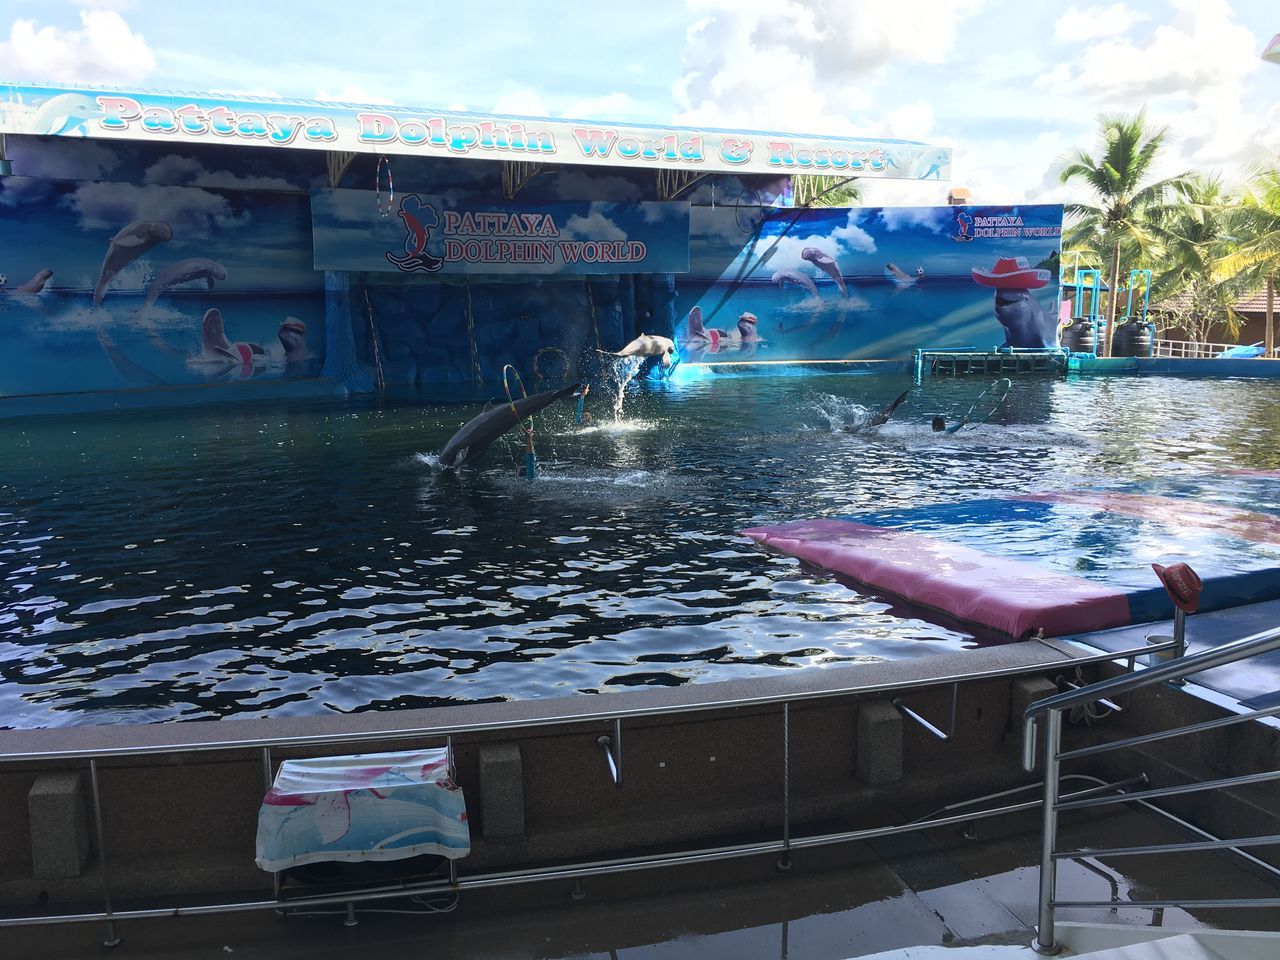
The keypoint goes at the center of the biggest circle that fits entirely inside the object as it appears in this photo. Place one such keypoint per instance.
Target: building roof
(238, 120)
(1255, 302)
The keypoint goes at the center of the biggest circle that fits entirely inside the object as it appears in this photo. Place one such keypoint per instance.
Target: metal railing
(613, 756)
(1052, 709)
(1190, 349)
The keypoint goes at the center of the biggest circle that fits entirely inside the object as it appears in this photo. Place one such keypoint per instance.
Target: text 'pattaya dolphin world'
(157, 241)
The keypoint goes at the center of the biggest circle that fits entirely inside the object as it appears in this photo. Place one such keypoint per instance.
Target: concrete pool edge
(806, 683)
(175, 824)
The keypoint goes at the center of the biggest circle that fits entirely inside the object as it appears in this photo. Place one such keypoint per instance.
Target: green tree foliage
(1126, 198)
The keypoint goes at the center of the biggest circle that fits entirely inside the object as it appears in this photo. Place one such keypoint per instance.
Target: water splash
(839, 413)
(619, 372)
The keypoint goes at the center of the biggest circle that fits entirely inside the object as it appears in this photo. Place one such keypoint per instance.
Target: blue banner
(363, 231)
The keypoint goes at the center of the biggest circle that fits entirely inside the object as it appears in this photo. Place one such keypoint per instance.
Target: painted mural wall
(111, 284)
(144, 265)
(868, 283)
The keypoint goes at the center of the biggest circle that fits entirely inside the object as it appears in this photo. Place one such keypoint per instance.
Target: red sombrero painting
(1012, 273)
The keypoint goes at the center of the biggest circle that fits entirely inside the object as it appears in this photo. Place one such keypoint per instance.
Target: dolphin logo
(964, 225)
(66, 114)
(419, 220)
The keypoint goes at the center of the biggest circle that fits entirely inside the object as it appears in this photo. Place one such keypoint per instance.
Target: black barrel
(1079, 337)
(1132, 339)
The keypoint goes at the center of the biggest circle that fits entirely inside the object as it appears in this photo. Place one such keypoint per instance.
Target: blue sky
(1010, 84)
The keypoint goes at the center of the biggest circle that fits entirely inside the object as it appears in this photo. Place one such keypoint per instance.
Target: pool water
(306, 558)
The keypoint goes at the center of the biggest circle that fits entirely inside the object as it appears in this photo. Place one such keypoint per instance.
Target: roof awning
(168, 117)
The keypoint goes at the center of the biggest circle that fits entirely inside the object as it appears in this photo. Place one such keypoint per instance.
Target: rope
(530, 458)
(373, 339)
(383, 164)
(965, 421)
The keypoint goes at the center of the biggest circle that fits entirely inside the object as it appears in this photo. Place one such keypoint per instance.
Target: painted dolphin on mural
(470, 442)
(647, 345)
(133, 374)
(702, 339)
(64, 115)
(184, 271)
(783, 277)
(1025, 322)
(31, 287)
(127, 246)
(293, 338)
(827, 264)
(216, 348)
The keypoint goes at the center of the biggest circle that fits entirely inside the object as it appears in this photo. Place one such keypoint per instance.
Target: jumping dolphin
(898, 275)
(32, 286)
(881, 418)
(647, 346)
(827, 264)
(476, 434)
(61, 115)
(214, 345)
(127, 246)
(783, 277)
(1025, 322)
(182, 272)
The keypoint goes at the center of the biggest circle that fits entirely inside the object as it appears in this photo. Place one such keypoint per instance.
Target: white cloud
(522, 102)
(187, 171)
(104, 50)
(594, 226)
(103, 4)
(911, 121)
(804, 65)
(1077, 25)
(192, 213)
(611, 106)
(352, 94)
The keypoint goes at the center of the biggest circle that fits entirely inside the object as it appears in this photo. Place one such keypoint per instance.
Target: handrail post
(1045, 942)
(784, 864)
(112, 940)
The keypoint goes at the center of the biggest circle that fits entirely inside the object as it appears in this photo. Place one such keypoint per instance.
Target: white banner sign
(84, 112)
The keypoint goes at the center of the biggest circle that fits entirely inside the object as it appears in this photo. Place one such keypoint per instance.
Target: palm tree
(1117, 176)
(1257, 253)
(1194, 233)
(816, 190)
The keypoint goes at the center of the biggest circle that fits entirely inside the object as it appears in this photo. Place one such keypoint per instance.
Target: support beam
(339, 161)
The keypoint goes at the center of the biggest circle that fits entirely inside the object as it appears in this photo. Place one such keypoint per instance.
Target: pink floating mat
(1008, 595)
(1245, 524)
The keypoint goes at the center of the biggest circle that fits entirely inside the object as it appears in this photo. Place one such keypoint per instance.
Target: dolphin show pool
(309, 557)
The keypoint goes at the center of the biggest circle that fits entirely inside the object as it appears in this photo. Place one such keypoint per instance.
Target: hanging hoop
(540, 374)
(993, 405)
(530, 457)
(383, 164)
(506, 385)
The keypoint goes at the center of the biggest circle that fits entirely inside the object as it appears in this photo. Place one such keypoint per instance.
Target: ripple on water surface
(312, 557)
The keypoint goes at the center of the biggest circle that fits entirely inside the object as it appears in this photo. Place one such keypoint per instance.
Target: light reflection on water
(307, 557)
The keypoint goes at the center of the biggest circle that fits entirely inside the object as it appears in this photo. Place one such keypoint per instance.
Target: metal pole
(453, 778)
(112, 940)
(1045, 942)
(266, 779)
(1179, 637)
(785, 862)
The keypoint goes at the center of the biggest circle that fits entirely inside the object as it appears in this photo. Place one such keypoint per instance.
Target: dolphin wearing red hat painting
(1025, 322)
